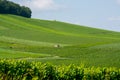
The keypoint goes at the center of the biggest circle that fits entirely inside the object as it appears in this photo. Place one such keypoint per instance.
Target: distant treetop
(8, 7)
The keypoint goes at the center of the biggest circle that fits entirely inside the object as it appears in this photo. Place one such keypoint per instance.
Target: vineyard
(24, 70)
(28, 52)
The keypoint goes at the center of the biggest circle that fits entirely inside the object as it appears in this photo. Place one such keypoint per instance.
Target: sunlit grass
(34, 40)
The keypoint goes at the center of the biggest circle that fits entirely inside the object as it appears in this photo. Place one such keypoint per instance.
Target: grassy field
(34, 40)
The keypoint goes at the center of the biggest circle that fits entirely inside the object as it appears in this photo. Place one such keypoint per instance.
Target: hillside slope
(80, 43)
(51, 31)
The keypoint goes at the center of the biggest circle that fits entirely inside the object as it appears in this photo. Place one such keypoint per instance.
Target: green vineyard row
(24, 70)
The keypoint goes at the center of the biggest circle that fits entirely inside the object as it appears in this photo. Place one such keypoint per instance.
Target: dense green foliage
(22, 70)
(8, 7)
(21, 36)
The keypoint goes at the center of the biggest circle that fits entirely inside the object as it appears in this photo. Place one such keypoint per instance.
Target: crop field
(35, 40)
(23, 70)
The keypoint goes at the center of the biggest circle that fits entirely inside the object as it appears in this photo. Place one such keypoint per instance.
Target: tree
(25, 11)
(4, 7)
(8, 7)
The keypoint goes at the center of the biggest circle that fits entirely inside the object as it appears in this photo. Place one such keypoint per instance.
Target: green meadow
(35, 40)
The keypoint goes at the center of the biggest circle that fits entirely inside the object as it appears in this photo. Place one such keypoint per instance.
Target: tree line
(9, 7)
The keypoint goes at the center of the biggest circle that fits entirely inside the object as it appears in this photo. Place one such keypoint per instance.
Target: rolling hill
(34, 40)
